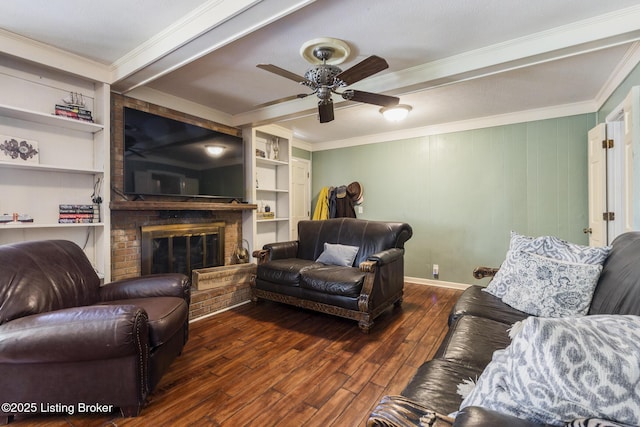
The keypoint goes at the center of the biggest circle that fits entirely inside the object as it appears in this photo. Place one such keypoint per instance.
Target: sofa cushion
(618, 290)
(434, 384)
(557, 370)
(334, 280)
(166, 315)
(476, 302)
(471, 340)
(285, 271)
(336, 254)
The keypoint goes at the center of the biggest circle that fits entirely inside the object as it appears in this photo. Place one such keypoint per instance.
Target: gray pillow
(337, 254)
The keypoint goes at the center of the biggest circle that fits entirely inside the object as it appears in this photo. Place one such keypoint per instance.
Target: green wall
(463, 192)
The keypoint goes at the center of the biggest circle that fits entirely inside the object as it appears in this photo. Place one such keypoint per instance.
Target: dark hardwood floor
(269, 364)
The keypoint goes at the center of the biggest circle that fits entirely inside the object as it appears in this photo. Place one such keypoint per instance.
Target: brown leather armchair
(66, 340)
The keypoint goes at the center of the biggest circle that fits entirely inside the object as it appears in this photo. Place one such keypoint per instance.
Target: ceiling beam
(209, 28)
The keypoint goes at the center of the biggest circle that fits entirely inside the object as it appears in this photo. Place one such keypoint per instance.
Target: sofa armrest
(387, 256)
(74, 334)
(475, 416)
(398, 411)
(154, 285)
(279, 250)
(482, 272)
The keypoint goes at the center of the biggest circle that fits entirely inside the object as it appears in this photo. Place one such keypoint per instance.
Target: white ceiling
(452, 61)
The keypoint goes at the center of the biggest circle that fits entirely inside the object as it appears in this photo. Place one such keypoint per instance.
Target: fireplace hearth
(181, 248)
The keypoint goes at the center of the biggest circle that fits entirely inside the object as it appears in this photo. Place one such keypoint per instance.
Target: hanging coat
(322, 205)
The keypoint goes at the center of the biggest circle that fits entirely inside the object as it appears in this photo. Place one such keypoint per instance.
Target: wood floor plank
(270, 364)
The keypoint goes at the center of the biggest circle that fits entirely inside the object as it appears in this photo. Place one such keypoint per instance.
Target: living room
(501, 148)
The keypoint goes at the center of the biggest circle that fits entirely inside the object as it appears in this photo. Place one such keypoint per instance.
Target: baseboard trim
(219, 311)
(438, 283)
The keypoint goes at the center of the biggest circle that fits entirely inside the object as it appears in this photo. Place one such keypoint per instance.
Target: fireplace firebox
(181, 248)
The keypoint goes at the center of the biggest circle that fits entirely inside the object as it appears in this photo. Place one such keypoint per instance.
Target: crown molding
(622, 70)
(464, 125)
(49, 56)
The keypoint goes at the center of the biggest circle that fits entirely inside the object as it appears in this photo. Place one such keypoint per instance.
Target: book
(78, 220)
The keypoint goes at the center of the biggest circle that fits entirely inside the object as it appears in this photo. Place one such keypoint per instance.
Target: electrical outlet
(436, 271)
(360, 209)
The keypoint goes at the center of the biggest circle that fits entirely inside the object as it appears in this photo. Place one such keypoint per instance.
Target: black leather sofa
(66, 340)
(288, 272)
(478, 325)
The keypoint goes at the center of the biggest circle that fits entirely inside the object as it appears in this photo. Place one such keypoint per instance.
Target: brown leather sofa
(66, 340)
(288, 271)
(478, 325)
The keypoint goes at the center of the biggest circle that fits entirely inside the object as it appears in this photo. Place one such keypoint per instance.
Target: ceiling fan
(325, 79)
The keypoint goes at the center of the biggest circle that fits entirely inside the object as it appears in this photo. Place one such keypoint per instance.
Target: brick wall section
(125, 225)
(212, 300)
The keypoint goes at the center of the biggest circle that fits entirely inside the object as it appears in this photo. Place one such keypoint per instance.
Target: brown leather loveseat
(67, 341)
(359, 288)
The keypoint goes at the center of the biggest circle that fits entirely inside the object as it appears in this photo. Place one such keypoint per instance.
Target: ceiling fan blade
(285, 99)
(325, 111)
(371, 98)
(363, 69)
(284, 73)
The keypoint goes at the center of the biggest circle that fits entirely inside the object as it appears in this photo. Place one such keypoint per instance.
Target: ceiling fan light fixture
(214, 150)
(396, 113)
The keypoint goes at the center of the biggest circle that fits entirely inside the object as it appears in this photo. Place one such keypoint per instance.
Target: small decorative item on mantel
(14, 149)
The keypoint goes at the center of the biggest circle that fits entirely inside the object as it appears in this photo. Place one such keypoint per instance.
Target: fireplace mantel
(140, 205)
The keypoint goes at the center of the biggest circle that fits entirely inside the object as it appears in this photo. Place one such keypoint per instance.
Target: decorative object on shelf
(260, 153)
(76, 99)
(15, 217)
(266, 215)
(18, 150)
(276, 149)
(269, 146)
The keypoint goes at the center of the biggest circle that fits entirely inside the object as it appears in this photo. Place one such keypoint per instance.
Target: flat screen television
(166, 157)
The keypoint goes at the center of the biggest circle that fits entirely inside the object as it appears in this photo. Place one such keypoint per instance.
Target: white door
(597, 186)
(300, 193)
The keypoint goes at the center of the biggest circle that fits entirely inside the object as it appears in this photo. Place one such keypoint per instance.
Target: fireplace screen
(181, 248)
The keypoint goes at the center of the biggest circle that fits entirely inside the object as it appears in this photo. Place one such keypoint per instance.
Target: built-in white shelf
(271, 190)
(36, 225)
(48, 168)
(49, 119)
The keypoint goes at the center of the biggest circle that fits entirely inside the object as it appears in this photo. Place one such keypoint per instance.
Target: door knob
(587, 230)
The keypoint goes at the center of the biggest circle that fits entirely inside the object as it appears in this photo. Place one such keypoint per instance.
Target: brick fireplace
(128, 215)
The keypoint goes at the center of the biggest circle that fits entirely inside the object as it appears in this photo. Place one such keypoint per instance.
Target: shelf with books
(72, 162)
(49, 119)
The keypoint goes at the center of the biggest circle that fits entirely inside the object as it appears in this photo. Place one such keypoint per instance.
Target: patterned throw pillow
(546, 246)
(558, 370)
(547, 287)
